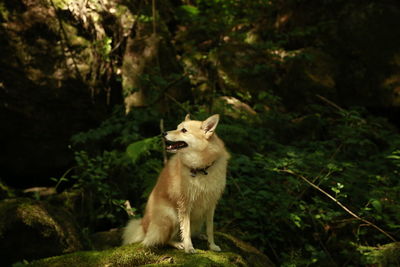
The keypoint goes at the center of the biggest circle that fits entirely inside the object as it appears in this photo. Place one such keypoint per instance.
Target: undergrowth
(348, 153)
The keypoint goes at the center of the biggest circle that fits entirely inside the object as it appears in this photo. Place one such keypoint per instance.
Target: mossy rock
(235, 253)
(385, 255)
(6, 191)
(107, 239)
(31, 229)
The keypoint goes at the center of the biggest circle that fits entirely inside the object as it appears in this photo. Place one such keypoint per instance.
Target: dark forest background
(309, 97)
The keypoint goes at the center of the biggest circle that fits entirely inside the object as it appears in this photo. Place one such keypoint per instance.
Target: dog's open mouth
(173, 146)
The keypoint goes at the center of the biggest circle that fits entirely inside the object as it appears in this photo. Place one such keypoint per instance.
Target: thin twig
(163, 142)
(128, 208)
(153, 9)
(166, 88)
(67, 44)
(177, 102)
(340, 204)
(329, 102)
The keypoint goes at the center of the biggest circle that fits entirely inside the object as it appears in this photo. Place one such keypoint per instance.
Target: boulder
(234, 253)
(46, 93)
(6, 191)
(32, 229)
(385, 255)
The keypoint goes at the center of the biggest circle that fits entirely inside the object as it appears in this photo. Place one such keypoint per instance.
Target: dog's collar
(194, 171)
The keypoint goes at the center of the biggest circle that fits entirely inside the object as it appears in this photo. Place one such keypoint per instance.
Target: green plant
(110, 168)
(346, 156)
(101, 197)
(139, 148)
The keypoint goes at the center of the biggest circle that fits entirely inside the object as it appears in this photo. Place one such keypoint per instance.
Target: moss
(386, 255)
(31, 229)
(32, 214)
(74, 40)
(132, 255)
(247, 251)
(235, 253)
(106, 240)
(136, 255)
(4, 13)
(4, 209)
(5, 191)
(62, 4)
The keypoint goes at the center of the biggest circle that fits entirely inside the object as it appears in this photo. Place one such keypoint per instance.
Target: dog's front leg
(210, 230)
(185, 232)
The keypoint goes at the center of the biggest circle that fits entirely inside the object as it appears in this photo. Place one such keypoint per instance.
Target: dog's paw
(214, 247)
(190, 250)
(178, 245)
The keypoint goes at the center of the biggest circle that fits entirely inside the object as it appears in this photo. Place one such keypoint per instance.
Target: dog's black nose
(164, 134)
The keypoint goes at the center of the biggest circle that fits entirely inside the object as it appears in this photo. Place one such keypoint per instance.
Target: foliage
(227, 48)
(299, 225)
(349, 154)
(109, 167)
(100, 193)
(386, 255)
(137, 149)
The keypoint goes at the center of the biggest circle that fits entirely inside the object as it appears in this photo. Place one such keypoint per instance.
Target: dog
(187, 190)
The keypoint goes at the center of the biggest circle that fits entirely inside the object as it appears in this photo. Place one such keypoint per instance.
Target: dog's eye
(183, 130)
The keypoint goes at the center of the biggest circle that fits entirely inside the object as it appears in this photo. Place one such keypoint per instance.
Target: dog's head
(191, 135)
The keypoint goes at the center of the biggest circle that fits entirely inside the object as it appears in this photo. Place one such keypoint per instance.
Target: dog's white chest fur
(205, 188)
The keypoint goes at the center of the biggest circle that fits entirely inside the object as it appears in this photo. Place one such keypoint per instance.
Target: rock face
(31, 229)
(64, 63)
(45, 93)
(61, 63)
(234, 253)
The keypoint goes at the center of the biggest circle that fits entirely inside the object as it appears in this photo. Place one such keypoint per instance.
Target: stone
(32, 229)
(234, 253)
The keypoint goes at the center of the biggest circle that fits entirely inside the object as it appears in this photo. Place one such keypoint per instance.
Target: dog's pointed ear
(187, 118)
(209, 125)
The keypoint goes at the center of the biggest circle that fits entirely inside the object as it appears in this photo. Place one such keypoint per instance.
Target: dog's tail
(133, 232)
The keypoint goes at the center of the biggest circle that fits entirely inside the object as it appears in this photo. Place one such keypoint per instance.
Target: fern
(142, 147)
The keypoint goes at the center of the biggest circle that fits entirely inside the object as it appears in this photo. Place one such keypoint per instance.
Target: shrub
(348, 154)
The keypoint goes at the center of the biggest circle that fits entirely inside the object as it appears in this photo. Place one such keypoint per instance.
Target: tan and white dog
(187, 190)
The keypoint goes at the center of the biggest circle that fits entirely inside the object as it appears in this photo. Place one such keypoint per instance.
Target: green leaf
(333, 167)
(295, 219)
(137, 149)
(377, 205)
(192, 10)
(394, 226)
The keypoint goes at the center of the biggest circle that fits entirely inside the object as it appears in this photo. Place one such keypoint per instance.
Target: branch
(330, 103)
(128, 208)
(340, 204)
(67, 44)
(177, 102)
(163, 142)
(153, 11)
